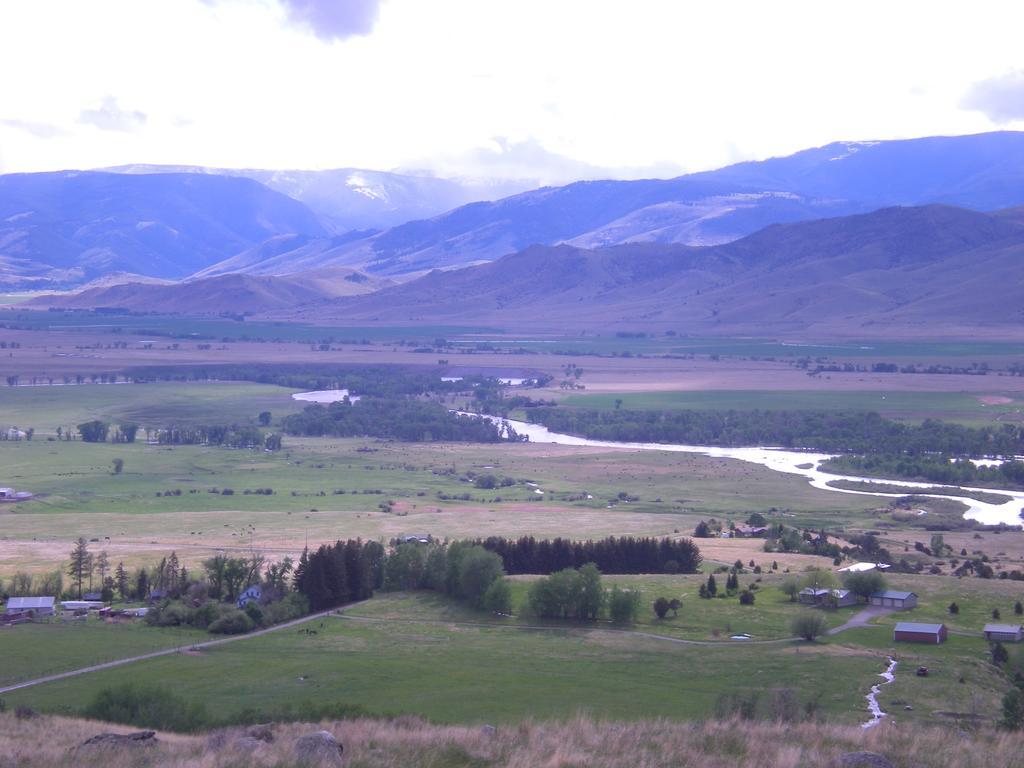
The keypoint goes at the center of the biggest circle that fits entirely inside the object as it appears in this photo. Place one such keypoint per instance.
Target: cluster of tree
(340, 573)
(613, 555)
(22, 584)
(397, 419)
(940, 469)
(841, 432)
(229, 436)
(781, 538)
(211, 602)
(579, 594)
(461, 569)
(491, 400)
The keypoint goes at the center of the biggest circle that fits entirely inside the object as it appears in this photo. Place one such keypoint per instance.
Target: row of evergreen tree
(613, 555)
(340, 573)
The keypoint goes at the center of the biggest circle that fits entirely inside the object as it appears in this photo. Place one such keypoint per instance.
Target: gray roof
(894, 594)
(1010, 629)
(913, 626)
(29, 603)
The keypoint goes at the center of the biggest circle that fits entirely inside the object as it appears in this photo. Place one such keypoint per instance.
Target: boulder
(488, 730)
(864, 760)
(119, 740)
(318, 749)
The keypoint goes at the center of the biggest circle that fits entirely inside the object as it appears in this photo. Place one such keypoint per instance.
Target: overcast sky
(544, 89)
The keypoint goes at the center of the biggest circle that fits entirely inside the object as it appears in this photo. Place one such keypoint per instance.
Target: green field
(453, 673)
(909, 406)
(421, 655)
(31, 651)
(44, 408)
(698, 620)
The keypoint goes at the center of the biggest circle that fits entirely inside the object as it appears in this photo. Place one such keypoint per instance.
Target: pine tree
(712, 587)
(121, 580)
(102, 566)
(80, 564)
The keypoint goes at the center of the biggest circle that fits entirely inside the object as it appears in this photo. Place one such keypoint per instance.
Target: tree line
(840, 432)
(612, 555)
(934, 469)
(395, 419)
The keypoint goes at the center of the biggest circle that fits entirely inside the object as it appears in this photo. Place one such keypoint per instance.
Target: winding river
(795, 463)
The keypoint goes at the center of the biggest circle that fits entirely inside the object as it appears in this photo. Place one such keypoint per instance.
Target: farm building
(38, 606)
(891, 598)
(9, 494)
(94, 596)
(1004, 633)
(750, 531)
(911, 632)
(251, 595)
(827, 598)
(81, 605)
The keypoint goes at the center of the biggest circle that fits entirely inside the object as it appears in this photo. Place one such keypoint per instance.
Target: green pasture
(213, 328)
(456, 673)
(906, 406)
(31, 651)
(156, 405)
(698, 619)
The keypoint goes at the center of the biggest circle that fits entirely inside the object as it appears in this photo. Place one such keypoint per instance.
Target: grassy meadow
(960, 407)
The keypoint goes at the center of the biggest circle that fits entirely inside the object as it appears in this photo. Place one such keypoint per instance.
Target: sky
(551, 90)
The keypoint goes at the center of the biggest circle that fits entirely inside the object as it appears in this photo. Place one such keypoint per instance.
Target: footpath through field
(166, 652)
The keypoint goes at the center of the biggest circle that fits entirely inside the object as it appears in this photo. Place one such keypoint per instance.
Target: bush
(623, 605)
(661, 607)
(147, 706)
(498, 597)
(746, 598)
(808, 625)
(234, 622)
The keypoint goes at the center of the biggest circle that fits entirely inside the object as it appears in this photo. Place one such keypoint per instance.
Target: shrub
(623, 605)
(233, 622)
(147, 706)
(661, 607)
(498, 597)
(746, 598)
(808, 625)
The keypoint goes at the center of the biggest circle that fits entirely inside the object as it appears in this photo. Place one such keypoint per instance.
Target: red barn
(912, 632)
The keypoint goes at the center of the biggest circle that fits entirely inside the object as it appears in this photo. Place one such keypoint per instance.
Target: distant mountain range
(355, 198)
(65, 229)
(70, 227)
(929, 270)
(982, 172)
(921, 271)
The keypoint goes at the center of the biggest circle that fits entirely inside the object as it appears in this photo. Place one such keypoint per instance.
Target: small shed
(1003, 633)
(891, 598)
(843, 598)
(93, 596)
(912, 632)
(251, 595)
(38, 606)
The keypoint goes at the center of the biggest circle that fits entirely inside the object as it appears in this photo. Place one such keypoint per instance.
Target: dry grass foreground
(411, 743)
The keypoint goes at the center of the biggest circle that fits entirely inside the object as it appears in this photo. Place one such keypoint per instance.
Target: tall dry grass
(44, 742)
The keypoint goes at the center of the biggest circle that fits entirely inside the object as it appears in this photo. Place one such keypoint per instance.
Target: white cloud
(1000, 98)
(109, 116)
(574, 87)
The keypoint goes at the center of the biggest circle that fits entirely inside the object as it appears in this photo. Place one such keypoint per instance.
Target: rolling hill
(982, 172)
(920, 270)
(237, 294)
(70, 227)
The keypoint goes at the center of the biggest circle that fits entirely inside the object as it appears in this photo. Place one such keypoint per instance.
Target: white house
(251, 595)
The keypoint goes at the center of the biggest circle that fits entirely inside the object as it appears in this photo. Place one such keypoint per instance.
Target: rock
(247, 744)
(318, 749)
(263, 732)
(864, 760)
(118, 740)
(488, 730)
